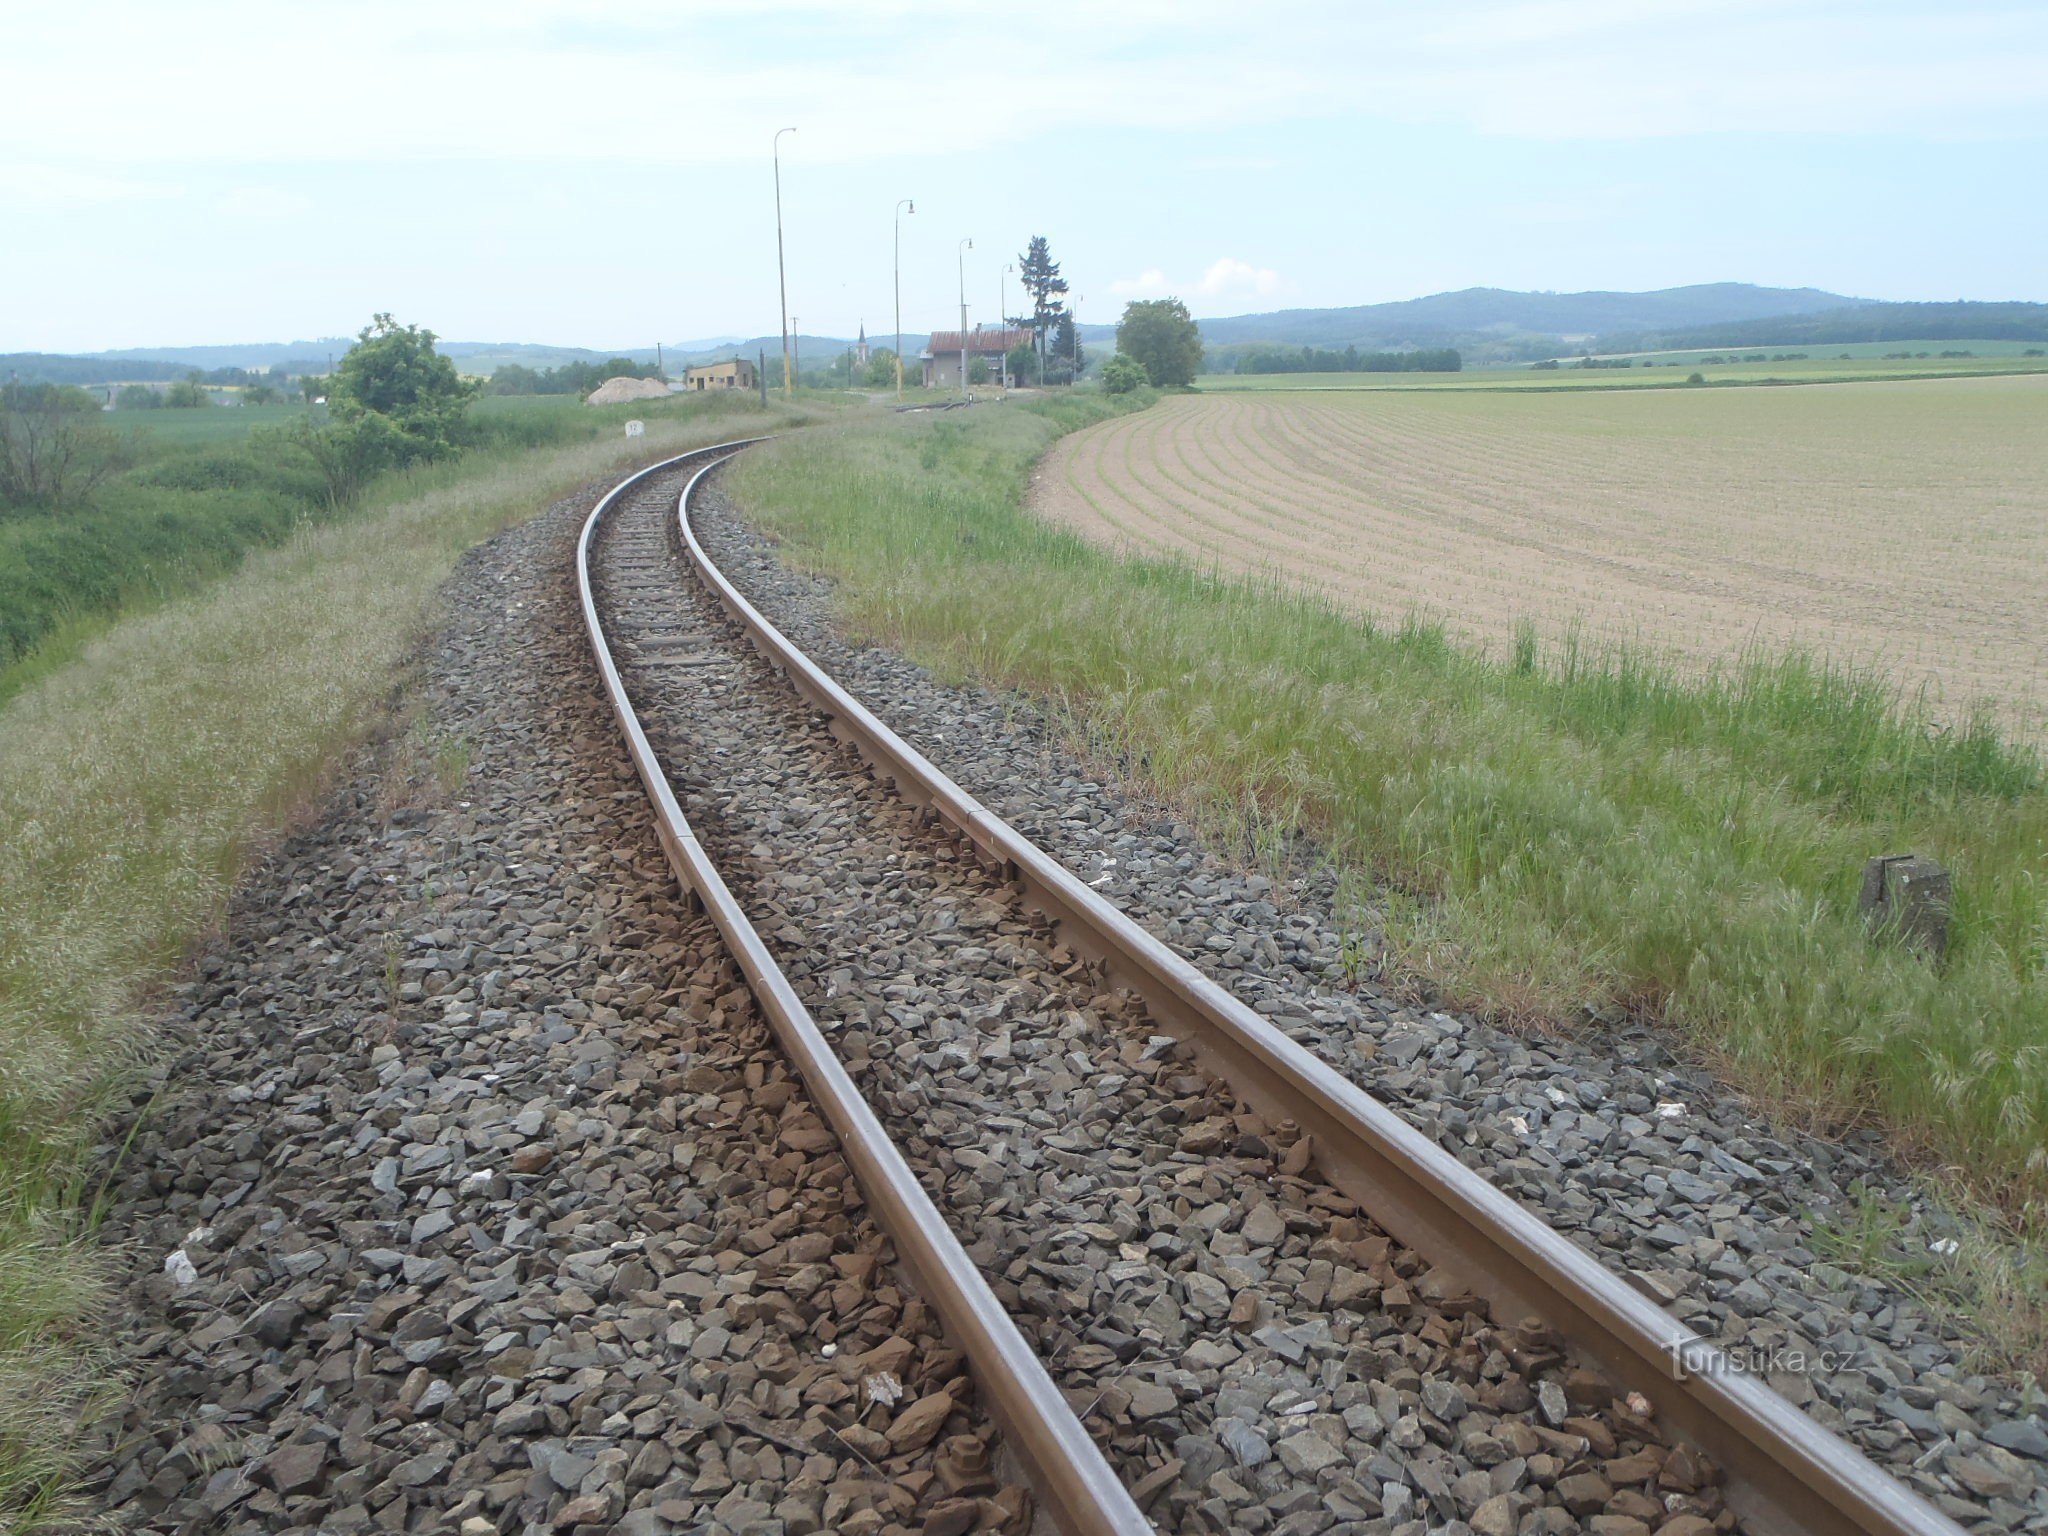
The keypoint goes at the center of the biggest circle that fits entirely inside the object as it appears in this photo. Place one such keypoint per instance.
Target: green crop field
(1814, 369)
(215, 425)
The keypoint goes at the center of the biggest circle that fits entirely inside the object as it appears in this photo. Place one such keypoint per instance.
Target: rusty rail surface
(1067, 1473)
(1787, 1476)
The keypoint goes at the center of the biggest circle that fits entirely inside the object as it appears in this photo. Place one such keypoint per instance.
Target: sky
(591, 173)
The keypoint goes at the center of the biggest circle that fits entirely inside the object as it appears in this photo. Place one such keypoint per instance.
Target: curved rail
(1069, 1476)
(1786, 1473)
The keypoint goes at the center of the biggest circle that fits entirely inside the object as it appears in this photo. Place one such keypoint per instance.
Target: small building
(736, 373)
(941, 355)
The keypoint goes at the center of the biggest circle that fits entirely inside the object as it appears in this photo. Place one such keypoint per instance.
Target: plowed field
(1897, 524)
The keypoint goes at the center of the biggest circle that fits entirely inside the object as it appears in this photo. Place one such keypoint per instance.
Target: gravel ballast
(477, 1199)
(1253, 1352)
(1611, 1135)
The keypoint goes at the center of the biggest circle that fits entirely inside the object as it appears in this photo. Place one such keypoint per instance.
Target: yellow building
(737, 373)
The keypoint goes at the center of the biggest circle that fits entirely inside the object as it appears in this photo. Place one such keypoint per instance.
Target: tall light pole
(904, 206)
(1002, 324)
(781, 273)
(966, 245)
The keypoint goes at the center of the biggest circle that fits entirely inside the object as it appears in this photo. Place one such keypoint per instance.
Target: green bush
(1123, 375)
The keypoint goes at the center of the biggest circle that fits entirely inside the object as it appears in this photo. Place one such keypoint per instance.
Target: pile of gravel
(618, 391)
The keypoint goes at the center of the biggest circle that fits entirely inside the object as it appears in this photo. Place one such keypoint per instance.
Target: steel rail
(1067, 1473)
(1787, 1476)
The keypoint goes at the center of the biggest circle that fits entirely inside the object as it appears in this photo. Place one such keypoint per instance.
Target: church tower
(860, 349)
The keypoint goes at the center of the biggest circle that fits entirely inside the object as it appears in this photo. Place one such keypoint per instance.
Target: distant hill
(253, 354)
(1960, 321)
(56, 368)
(1501, 322)
(136, 364)
(1486, 324)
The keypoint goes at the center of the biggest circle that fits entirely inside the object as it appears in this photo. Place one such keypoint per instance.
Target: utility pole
(761, 376)
(658, 368)
(966, 245)
(781, 273)
(795, 344)
(906, 205)
(1003, 325)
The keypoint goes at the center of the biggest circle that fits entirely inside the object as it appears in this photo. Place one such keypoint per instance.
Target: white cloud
(1148, 284)
(1230, 278)
(1225, 280)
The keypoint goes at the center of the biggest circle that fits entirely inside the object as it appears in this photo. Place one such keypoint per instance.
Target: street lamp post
(781, 272)
(906, 205)
(966, 245)
(1003, 378)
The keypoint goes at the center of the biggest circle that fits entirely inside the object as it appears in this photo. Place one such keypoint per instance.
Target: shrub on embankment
(1549, 834)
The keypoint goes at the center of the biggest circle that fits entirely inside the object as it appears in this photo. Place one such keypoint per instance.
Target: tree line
(567, 379)
(1350, 360)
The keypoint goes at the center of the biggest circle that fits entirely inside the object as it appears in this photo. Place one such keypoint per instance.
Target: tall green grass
(134, 781)
(210, 486)
(1558, 830)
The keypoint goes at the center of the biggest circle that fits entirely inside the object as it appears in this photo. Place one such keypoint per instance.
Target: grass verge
(208, 486)
(134, 782)
(1557, 832)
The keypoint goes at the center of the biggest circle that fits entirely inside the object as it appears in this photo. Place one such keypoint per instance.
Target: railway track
(1099, 1167)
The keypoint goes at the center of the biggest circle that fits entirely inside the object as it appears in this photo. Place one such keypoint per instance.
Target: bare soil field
(1902, 525)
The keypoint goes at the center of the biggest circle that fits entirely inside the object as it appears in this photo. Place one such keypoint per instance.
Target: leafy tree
(54, 449)
(259, 394)
(1064, 360)
(514, 379)
(137, 397)
(881, 372)
(1163, 339)
(188, 393)
(1123, 375)
(1022, 362)
(978, 370)
(398, 393)
(1040, 275)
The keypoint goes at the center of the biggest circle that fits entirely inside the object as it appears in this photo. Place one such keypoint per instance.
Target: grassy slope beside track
(134, 781)
(1612, 835)
(209, 486)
